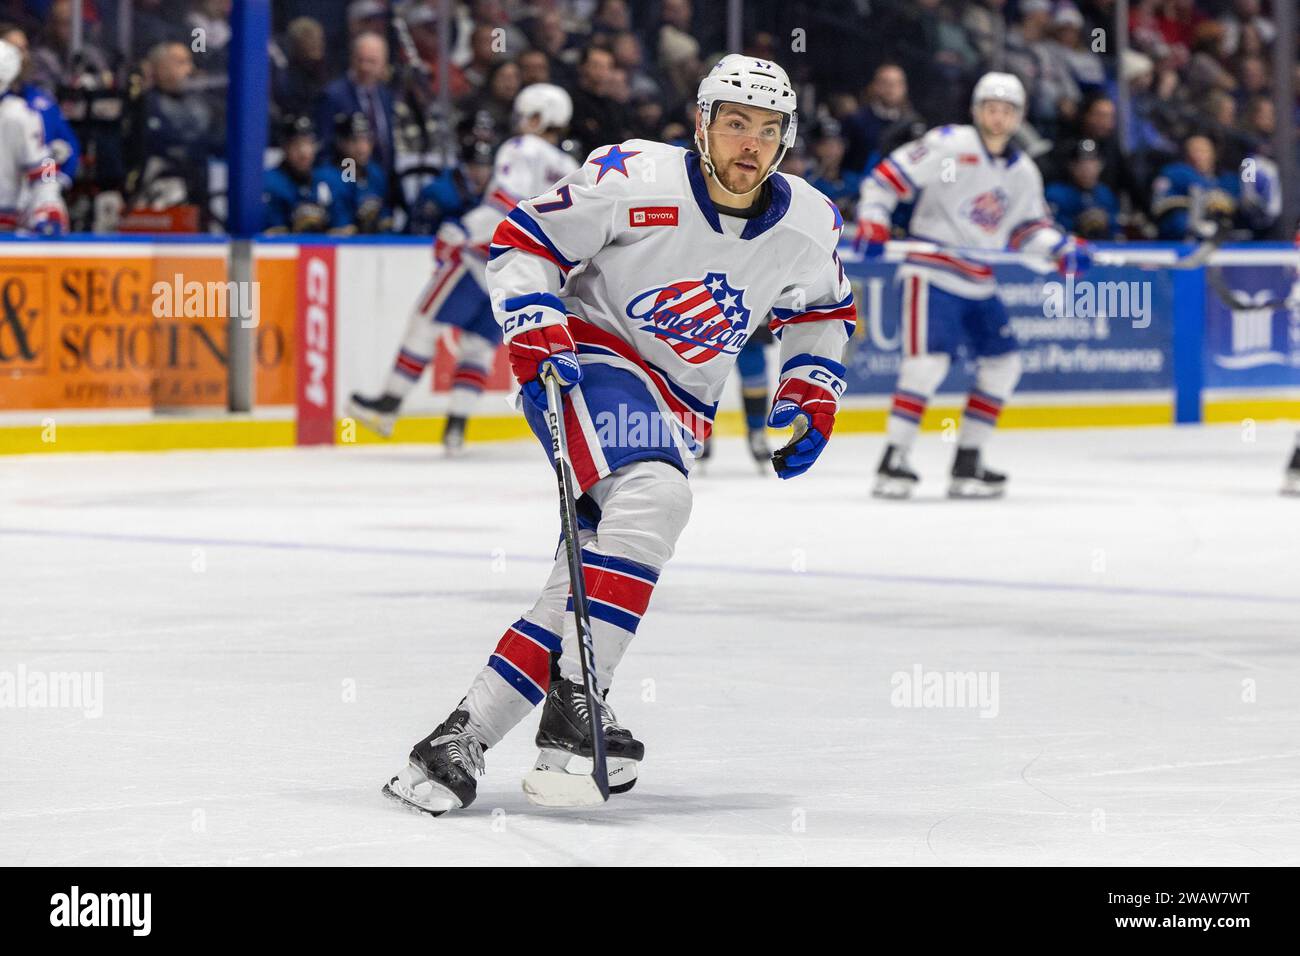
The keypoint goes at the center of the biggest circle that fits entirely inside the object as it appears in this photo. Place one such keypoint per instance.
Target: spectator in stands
(355, 184)
(796, 161)
(886, 106)
(454, 191)
(1054, 96)
(182, 131)
(1068, 43)
(53, 52)
(647, 117)
(677, 51)
(611, 18)
(1099, 124)
(550, 37)
(299, 69)
(534, 67)
(363, 89)
(597, 117)
(208, 26)
(484, 57)
(422, 21)
(497, 97)
(494, 14)
(629, 57)
(1245, 15)
(1191, 199)
(986, 24)
(828, 175)
(1081, 203)
(292, 198)
(367, 16)
(1253, 79)
(154, 22)
(64, 145)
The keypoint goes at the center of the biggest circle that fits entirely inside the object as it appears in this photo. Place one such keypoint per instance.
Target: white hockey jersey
(28, 175)
(656, 282)
(525, 166)
(965, 198)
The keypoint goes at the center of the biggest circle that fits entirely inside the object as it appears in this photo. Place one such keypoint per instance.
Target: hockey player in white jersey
(456, 295)
(972, 190)
(639, 279)
(30, 199)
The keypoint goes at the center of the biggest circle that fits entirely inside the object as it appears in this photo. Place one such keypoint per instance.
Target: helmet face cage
(746, 81)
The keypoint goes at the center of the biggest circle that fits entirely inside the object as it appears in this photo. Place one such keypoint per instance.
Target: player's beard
(738, 180)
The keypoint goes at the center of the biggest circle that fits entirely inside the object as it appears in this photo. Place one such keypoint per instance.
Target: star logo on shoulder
(614, 159)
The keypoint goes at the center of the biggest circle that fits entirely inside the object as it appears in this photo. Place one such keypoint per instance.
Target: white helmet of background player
(11, 64)
(1003, 87)
(746, 81)
(547, 101)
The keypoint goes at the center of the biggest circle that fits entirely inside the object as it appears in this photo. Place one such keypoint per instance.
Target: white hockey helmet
(747, 81)
(11, 63)
(1004, 87)
(546, 100)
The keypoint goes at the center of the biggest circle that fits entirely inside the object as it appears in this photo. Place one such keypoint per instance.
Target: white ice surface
(236, 603)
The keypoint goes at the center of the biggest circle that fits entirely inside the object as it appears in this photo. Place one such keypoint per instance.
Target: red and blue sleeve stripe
(520, 231)
(844, 311)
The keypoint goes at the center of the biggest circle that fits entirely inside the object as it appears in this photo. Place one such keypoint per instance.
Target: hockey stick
(1233, 300)
(551, 788)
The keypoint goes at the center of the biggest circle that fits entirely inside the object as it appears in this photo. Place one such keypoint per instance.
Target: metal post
(74, 41)
(1124, 106)
(247, 116)
(735, 25)
(1284, 135)
(445, 26)
(125, 18)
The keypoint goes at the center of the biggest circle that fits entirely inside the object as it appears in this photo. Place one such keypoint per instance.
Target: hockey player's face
(997, 119)
(743, 142)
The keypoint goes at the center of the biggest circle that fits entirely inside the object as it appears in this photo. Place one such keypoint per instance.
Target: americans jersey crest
(987, 210)
(700, 319)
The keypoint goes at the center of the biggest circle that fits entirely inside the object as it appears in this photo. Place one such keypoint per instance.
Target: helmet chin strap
(713, 171)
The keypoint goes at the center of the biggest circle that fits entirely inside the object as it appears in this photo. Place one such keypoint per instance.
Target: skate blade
(558, 788)
(381, 425)
(621, 772)
(895, 489)
(416, 793)
(970, 488)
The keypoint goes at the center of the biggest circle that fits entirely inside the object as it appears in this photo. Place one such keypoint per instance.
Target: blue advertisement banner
(1252, 327)
(1109, 329)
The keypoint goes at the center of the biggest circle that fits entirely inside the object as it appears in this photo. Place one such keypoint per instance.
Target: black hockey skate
(453, 434)
(442, 769)
(563, 734)
(970, 479)
(894, 477)
(377, 414)
(1291, 484)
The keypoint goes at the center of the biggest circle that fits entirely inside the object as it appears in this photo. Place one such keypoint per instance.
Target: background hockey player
(972, 190)
(30, 199)
(456, 295)
(639, 279)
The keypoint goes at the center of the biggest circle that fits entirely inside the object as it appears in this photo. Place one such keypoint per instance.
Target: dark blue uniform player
(357, 186)
(292, 199)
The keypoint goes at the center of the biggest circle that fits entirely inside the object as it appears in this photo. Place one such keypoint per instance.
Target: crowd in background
(359, 143)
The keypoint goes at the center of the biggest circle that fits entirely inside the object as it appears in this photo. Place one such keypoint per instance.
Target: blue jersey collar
(776, 209)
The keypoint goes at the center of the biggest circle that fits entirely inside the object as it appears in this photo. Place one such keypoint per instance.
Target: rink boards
(117, 345)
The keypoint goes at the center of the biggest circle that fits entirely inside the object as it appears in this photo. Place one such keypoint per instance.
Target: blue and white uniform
(965, 199)
(661, 293)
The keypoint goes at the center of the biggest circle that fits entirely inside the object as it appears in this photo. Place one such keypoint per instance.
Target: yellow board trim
(1238, 410)
(183, 434)
(145, 436)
